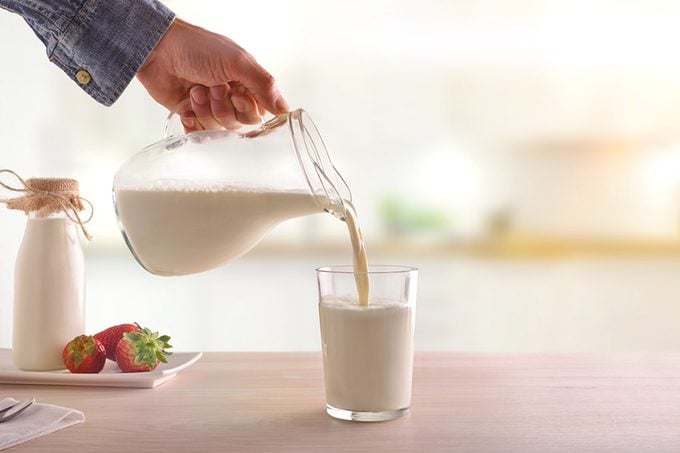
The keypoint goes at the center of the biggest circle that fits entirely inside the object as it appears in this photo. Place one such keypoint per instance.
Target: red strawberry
(111, 336)
(142, 350)
(84, 354)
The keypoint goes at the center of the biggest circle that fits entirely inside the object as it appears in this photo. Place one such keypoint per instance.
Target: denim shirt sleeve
(99, 44)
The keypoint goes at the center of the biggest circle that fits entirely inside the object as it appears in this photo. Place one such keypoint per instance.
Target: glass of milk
(367, 349)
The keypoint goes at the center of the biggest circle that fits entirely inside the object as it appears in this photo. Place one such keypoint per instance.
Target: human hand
(209, 79)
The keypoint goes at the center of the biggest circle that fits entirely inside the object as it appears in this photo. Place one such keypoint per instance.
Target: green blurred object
(401, 216)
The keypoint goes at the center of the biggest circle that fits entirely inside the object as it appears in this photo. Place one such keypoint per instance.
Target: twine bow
(64, 195)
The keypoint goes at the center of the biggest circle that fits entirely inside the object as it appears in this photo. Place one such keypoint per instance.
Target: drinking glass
(367, 350)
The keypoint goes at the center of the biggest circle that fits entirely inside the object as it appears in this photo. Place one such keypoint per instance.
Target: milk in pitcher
(180, 231)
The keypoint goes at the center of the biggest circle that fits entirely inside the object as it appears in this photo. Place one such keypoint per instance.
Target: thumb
(261, 85)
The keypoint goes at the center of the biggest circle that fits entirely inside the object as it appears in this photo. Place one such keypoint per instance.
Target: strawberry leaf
(148, 347)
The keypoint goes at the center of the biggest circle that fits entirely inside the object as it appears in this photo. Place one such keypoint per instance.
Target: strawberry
(111, 336)
(141, 350)
(84, 354)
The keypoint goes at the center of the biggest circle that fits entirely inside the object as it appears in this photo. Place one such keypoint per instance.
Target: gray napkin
(36, 421)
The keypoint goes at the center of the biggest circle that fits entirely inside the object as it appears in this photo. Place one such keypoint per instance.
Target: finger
(261, 110)
(221, 107)
(189, 121)
(246, 108)
(261, 84)
(200, 104)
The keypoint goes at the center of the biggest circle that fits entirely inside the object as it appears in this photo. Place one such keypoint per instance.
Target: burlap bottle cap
(48, 195)
(44, 196)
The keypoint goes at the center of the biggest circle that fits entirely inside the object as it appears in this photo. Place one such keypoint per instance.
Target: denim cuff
(106, 43)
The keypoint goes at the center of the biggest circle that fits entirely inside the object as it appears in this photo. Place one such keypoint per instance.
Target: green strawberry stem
(148, 346)
(82, 346)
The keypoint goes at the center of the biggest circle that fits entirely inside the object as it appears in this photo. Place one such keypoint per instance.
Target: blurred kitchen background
(525, 155)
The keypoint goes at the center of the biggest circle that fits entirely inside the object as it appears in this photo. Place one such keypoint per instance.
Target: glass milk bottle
(49, 276)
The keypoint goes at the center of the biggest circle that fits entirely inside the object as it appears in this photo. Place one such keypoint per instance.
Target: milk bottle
(49, 276)
(49, 292)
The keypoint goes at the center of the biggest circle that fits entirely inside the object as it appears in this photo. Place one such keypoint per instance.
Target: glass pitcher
(192, 202)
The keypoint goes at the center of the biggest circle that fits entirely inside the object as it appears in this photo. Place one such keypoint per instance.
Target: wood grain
(461, 402)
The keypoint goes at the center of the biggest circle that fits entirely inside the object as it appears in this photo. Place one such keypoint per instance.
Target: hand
(209, 79)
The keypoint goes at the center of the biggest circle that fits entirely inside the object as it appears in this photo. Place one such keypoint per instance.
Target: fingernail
(198, 95)
(239, 103)
(282, 105)
(217, 92)
(188, 121)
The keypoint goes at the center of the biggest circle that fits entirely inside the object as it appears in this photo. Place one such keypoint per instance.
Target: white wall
(564, 112)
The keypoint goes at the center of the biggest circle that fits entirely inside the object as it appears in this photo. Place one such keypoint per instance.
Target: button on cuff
(83, 77)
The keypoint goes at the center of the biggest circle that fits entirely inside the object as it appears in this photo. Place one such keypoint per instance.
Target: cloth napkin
(36, 421)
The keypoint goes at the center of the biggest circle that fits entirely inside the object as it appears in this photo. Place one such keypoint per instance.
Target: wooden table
(461, 402)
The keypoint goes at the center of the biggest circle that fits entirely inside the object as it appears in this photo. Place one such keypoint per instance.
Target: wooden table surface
(461, 402)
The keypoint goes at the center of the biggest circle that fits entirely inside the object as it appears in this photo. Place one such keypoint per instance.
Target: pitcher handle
(172, 126)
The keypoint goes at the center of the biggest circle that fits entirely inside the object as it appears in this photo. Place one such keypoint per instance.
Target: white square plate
(110, 376)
